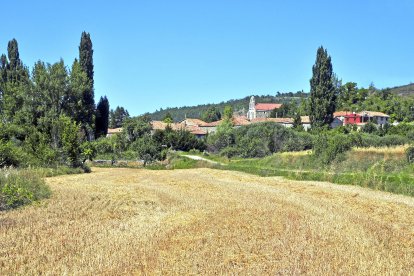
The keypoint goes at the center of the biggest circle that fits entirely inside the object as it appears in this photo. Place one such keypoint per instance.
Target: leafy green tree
(102, 117)
(14, 84)
(297, 122)
(50, 88)
(146, 148)
(136, 127)
(228, 112)
(88, 151)
(223, 137)
(117, 117)
(322, 95)
(168, 118)
(212, 114)
(69, 138)
(348, 96)
(79, 85)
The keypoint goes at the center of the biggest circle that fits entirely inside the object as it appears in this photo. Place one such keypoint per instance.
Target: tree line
(48, 112)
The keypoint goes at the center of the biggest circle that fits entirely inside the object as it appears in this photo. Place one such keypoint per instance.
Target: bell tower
(251, 114)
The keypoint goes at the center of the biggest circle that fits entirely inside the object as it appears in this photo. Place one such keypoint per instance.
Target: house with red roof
(260, 110)
(361, 118)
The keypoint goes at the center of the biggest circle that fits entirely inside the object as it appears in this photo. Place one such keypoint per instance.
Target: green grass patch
(376, 171)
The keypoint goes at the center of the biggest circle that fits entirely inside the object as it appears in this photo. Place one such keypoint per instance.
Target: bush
(369, 128)
(328, 148)
(259, 140)
(409, 153)
(230, 152)
(10, 155)
(146, 149)
(223, 137)
(20, 187)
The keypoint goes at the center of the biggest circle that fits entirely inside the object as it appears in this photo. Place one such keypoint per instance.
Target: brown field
(204, 221)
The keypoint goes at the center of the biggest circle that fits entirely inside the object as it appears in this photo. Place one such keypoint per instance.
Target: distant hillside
(404, 90)
(238, 105)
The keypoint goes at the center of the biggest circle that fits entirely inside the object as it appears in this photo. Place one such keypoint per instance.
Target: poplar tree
(88, 102)
(16, 84)
(322, 94)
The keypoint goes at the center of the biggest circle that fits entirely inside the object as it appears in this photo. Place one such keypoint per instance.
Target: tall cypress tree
(102, 117)
(86, 55)
(88, 101)
(322, 94)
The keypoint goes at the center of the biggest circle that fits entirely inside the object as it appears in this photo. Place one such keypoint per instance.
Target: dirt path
(204, 221)
(196, 157)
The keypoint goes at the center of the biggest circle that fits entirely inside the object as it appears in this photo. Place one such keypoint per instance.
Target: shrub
(409, 153)
(223, 137)
(69, 136)
(20, 187)
(10, 155)
(230, 152)
(328, 148)
(146, 149)
(104, 145)
(369, 128)
(88, 151)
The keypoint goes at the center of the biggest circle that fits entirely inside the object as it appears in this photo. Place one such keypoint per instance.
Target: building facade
(260, 110)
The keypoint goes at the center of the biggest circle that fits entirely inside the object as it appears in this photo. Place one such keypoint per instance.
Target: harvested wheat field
(204, 221)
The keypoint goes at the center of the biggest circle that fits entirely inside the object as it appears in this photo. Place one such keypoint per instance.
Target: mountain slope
(404, 90)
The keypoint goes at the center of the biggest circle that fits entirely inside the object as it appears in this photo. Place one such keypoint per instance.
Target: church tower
(252, 109)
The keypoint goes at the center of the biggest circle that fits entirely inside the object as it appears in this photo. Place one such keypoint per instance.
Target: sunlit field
(205, 221)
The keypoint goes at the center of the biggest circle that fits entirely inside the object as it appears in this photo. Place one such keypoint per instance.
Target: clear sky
(152, 54)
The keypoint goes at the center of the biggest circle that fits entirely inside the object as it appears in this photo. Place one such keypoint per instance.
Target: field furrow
(204, 221)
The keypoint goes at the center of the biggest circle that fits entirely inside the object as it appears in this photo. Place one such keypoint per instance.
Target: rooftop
(267, 106)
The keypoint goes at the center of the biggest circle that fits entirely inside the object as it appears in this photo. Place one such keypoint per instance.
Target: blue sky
(152, 54)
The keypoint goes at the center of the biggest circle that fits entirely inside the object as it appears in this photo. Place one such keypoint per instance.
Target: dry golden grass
(204, 221)
(396, 149)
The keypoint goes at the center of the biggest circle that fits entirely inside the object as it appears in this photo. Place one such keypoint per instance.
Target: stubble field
(204, 221)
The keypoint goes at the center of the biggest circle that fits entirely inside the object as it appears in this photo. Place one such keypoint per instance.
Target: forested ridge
(238, 105)
(395, 101)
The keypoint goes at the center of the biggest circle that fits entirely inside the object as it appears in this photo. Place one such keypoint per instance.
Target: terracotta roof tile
(191, 121)
(275, 120)
(342, 113)
(373, 114)
(211, 124)
(267, 106)
(114, 130)
(160, 125)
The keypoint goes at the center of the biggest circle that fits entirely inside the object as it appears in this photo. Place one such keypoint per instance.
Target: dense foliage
(238, 105)
(48, 113)
(261, 139)
(257, 140)
(138, 141)
(117, 117)
(211, 114)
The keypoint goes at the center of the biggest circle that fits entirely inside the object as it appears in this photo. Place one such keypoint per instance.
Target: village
(260, 113)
